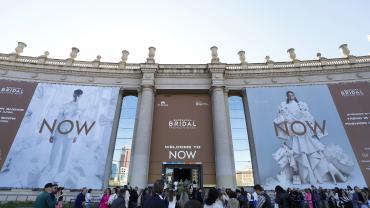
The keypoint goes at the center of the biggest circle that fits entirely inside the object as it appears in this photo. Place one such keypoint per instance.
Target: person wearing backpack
(119, 202)
(264, 200)
(243, 199)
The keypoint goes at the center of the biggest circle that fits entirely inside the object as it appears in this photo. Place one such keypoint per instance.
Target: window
(122, 149)
(242, 156)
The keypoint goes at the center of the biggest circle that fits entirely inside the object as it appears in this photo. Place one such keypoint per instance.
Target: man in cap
(44, 199)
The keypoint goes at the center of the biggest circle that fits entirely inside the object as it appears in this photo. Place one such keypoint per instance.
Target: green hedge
(12, 204)
(28, 204)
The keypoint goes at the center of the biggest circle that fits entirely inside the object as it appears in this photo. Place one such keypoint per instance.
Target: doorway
(182, 174)
(187, 173)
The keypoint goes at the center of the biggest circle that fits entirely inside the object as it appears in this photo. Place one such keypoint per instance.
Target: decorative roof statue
(42, 59)
(72, 56)
(150, 59)
(292, 54)
(345, 51)
(98, 58)
(269, 62)
(20, 47)
(124, 57)
(18, 50)
(242, 57)
(318, 55)
(96, 61)
(74, 53)
(214, 55)
(322, 59)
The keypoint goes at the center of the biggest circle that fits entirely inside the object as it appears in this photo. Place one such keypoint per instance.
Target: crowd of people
(159, 196)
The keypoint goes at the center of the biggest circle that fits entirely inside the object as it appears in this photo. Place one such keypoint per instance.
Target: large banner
(54, 133)
(312, 135)
(182, 134)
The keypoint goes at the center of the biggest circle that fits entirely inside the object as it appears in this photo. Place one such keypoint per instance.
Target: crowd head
(196, 197)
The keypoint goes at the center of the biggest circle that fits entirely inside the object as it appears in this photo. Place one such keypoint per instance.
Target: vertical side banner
(61, 134)
(14, 100)
(353, 104)
(301, 137)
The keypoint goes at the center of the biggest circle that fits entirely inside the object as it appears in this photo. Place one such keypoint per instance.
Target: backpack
(243, 199)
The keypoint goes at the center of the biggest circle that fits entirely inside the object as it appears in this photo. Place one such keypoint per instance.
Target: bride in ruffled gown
(303, 159)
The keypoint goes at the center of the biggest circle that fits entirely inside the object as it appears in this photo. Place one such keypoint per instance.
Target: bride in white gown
(303, 159)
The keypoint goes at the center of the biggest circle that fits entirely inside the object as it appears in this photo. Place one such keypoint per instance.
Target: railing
(67, 199)
(196, 67)
(16, 197)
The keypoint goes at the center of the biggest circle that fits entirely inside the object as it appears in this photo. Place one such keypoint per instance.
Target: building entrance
(182, 174)
(188, 174)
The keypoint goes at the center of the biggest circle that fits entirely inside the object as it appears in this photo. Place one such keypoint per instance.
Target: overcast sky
(183, 31)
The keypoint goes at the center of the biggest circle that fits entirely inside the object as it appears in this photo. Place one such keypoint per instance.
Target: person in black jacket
(133, 198)
(264, 200)
(297, 199)
(157, 200)
(199, 196)
(119, 202)
(282, 197)
(80, 199)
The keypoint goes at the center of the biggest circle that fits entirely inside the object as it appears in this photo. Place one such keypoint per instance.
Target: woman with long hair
(184, 197)
(282, 197)
(104, 200)
(171, 199)
(212, 200)
(308, 198)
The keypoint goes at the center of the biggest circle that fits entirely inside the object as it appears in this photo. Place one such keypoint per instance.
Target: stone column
(224, 156)
(135, 132)
(141, 149)
(226, 95)
(112, 141)
(252, 147)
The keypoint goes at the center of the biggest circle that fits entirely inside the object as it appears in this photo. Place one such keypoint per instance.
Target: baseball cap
(48, 185)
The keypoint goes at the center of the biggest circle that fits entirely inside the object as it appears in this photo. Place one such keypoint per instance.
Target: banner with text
(182, 133)
(311, 135)
(54, 133)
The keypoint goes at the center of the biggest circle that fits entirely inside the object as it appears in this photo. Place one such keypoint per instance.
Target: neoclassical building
(187, 122)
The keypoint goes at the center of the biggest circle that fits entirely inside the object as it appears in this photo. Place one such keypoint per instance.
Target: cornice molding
(133, 75)
(306, 65)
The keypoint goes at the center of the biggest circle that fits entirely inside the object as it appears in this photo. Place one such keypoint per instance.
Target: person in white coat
(113, 196)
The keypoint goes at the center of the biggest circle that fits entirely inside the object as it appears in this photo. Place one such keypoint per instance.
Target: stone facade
(149, 78)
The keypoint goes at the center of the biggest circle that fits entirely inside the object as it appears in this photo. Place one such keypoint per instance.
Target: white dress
(172, 204)
(63, 141)
(217, 204)
(302, 157)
